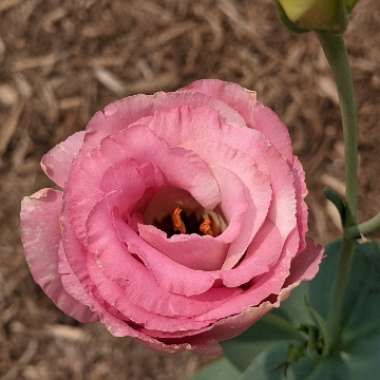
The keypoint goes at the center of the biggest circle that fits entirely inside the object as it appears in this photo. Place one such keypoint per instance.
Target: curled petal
(41, 240)
(57, 162)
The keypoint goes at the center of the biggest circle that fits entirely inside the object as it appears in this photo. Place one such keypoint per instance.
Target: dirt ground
(61, 60)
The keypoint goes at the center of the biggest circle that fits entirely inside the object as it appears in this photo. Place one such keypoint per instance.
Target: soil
(61, 60)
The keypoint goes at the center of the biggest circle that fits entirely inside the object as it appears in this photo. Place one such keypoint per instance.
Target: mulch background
(61, 60)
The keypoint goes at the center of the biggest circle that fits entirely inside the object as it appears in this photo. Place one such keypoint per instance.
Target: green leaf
(221, 369)
(269, 365)
(362, 304)
(271, 346)
(294, 309)
(320, 290)
(333, 368)
(263, 336)
(339, 202)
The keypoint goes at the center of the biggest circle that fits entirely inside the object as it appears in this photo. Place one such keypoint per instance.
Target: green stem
(365, 228)
(336, 54)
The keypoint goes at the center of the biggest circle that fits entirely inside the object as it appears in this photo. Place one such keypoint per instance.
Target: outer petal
(81, 290)
(57, 162)
(41, 238)
(266, 121)
(255, 114)
(304, 268)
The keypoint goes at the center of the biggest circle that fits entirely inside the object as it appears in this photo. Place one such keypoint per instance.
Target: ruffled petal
(301, 193)
(261, 287)
(206, 252)
(57, 162)
(193, 251)
(125, 269)
(262, 254)
(303, 268)
(184, 127)
(181, 168)
(255, 114)
(41, 239)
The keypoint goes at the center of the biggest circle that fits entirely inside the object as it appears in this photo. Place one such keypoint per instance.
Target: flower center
(182, 221)
(175, 211)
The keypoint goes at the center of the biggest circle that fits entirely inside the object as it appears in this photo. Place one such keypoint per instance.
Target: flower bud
(321, 15)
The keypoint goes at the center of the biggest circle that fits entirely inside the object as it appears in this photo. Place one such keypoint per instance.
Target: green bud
(321, 15)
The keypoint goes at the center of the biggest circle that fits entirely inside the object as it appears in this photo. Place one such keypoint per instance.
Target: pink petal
(57, 162)
(122, 268)
(195, 251)
(302, 269)
(116, 326)
(255, 114)
(262, 287)
(206, 252)
(181, 168)
(121, 114)
(261, 255)
(185, 127)
(283, 207)
(301, 193)
(41, 238)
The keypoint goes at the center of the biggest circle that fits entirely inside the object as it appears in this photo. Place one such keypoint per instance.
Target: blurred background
(61, 60)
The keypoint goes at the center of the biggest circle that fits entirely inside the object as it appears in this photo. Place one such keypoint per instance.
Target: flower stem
(336, 54)
(365, 228)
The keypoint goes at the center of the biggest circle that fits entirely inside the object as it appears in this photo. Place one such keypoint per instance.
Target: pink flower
(180, 221)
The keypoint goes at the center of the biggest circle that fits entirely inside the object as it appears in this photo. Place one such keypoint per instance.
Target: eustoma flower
(180, 221)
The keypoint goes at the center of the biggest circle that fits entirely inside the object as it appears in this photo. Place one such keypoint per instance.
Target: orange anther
(206, 226)
(178, 224)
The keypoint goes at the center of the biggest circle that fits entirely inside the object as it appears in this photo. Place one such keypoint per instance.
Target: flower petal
(255, 114)
(189, 250)
(261, 255)
(181, 168)
(184, 127)
(57, 162)
(41, 238)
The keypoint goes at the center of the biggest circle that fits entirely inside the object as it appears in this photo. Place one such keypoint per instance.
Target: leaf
(333, 368)
(322, 325)
(321, 289)
(262, 352)
(362, 303)
(262, 336)
(293, 309)
(221, 369)
(339, 202)
(269, 365)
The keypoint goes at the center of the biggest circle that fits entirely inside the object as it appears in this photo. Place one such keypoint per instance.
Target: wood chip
(8, 95)
(68, 333)
(8, 127)
(328, 88)
(110, 81)
(169, 34)
(29, 63)
(333, 213)
(5, 5)
(333, 183)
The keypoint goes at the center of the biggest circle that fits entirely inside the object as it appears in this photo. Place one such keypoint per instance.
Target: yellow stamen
(178, 224)
(206, 226)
